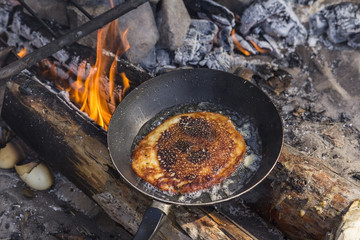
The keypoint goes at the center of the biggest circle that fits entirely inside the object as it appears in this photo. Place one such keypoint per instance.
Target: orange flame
(260, 50)
(238, 44)
(22, 52)
(96, 94)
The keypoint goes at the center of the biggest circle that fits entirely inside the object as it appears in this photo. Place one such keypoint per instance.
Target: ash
(272, 25)
(337, 24)
(274, 18)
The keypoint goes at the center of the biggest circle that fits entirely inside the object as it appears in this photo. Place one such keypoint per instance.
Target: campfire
(303, 56)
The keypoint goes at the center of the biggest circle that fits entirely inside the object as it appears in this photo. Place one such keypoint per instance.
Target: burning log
(72, 144)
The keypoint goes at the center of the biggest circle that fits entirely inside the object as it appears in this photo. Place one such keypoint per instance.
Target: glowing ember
(260, 50)
(238, 45)
(244, 51)
(22, 52)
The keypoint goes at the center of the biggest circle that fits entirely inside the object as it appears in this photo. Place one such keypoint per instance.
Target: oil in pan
(243, 124)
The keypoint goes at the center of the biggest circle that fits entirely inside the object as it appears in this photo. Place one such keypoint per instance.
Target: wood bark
(301, 196)
(72, 144)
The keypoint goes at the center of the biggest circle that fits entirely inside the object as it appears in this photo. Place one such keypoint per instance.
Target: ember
(22, 52)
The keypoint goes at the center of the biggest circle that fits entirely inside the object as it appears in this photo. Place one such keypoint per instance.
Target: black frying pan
(189, 87)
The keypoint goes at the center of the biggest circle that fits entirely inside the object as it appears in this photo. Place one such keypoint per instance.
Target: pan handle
(152, 220)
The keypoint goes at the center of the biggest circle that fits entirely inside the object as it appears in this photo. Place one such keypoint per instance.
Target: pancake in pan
(189, 152)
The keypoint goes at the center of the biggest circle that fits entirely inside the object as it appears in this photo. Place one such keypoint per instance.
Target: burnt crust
(189, 152)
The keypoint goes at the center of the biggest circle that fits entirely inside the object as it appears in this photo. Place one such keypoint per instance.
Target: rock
(173, 23)
(50, 9)
(142, 34)
(76, 19)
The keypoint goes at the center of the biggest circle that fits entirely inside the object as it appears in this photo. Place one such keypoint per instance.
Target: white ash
(337, 24)
(262, 44)
(198, 42)
(275, 18)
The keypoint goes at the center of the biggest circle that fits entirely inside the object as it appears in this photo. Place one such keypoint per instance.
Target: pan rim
(160, 199)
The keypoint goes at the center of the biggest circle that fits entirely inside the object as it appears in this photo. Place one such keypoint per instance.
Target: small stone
(142, 32)
(245, 73)
(299, 112)
(302, 213)
(173, 22)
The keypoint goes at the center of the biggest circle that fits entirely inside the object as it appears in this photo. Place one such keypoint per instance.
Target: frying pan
(184, 87)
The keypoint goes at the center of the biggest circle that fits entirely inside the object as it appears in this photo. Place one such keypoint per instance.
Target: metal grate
(67, 39)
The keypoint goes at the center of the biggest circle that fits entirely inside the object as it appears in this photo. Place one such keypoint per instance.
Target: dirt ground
(62, 212)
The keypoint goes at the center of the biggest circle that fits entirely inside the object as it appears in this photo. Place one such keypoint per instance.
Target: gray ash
(337, 24)
(275, 18)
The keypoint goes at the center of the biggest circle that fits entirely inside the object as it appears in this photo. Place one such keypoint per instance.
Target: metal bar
(81, 9)
(69, 38)
(37, 18)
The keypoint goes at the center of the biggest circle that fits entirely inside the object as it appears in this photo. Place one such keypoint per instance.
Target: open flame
(22, 52)
(96, 94)
(99, 88)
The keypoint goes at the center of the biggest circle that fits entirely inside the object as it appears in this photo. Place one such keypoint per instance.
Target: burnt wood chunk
(75, 146)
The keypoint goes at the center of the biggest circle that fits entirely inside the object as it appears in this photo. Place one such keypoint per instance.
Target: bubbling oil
(244, 124)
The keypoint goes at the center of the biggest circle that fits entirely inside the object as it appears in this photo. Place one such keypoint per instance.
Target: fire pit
(303, 55)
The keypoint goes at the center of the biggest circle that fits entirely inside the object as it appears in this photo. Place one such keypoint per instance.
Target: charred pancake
(189, 152)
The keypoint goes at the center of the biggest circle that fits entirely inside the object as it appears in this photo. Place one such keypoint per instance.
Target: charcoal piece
(338, 23)
(149, 62)
(239, 41)
(158, 60)
(263, 45)
(224, 38)
(209, 9)
(163, 57)
(217, 59)
(275, 47)
(198, 42)
(173, 23)
(275, 18)
(139, 21)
